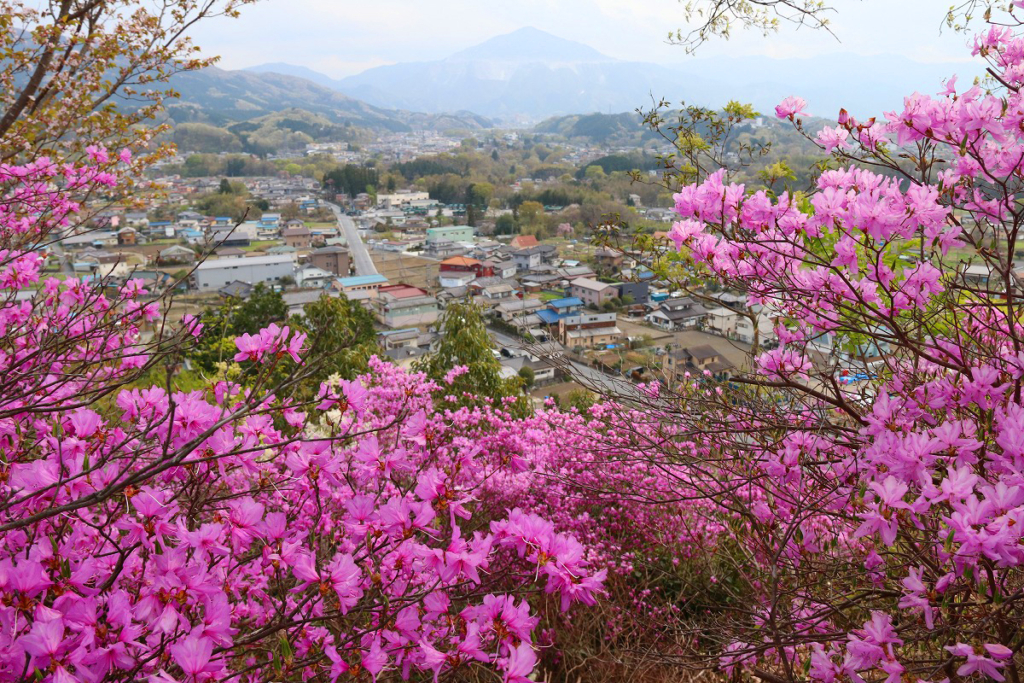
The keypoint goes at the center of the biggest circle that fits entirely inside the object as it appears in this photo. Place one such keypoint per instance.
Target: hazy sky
(343, 37)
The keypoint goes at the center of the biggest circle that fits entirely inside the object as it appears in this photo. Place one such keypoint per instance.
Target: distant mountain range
(219, 97)
(535, 74)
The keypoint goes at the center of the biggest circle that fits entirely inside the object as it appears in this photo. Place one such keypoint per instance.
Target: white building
(311, 276)
(728, 323)
(401, 199)
(211, 275)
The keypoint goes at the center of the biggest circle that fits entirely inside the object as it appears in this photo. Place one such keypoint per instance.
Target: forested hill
(218, 97)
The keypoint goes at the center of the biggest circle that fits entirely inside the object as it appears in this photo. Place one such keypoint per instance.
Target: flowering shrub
(230, 531)
(878, 521)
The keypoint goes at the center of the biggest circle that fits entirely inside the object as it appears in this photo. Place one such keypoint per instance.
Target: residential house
(637, 291)
(127, 237)
(137, 219)
(236, 289)
(502, 269)
(528, 258)
(722, 321)
(313, 277)
(361, 201)
(511, 309)
(297, 301)
(589, 330)
(450, 294)
(270, 221)
(539, 282)
(450, 280)
(403, 305)
(737, 302)
(676, 314)
(592, 292)
(498, 292)
(297, 237)
(522, 314)
(333, 259)
(608, 258)
(192, 235)
(557, 309)
(464, 264)
(189, 219)
(524, 241)
(404, 346)
(567, 272)
(702, 360)
(443, 249)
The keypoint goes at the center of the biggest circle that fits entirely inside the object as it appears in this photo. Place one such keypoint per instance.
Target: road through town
(360, 254)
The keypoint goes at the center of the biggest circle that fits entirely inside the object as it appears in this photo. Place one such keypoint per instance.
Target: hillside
(290, 129)
(220, 98)
(597, 128)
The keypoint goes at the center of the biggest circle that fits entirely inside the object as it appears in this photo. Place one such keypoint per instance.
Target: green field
(259, 245)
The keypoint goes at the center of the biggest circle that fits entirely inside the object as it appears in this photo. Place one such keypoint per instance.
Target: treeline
(621, 162)
(428, 166)
(230, 166)
(351, 179)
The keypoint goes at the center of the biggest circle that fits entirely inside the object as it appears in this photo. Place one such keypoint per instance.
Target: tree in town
(531, 213)
(464, 361)
(343, 335)
(505, 225)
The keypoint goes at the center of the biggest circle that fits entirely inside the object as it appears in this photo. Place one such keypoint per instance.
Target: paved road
(595, 380)
(360, 254)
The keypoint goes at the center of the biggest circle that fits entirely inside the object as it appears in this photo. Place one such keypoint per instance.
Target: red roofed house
(524, 241)
(464, 264)
(400, 306)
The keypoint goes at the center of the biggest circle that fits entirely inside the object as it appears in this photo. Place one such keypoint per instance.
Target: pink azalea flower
(790, 107)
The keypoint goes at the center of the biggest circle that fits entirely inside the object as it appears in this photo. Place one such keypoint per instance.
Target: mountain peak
(529, 44)
(293, 70)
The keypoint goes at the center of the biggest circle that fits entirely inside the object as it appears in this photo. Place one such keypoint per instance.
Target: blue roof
(154, 224)
(549, 316)
(566, 303)
(357, 280)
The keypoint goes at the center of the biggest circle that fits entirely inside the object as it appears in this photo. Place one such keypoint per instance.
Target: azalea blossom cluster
(227, 532)
(588, 472)
(342, 539)
(880, 519)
